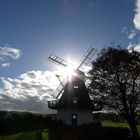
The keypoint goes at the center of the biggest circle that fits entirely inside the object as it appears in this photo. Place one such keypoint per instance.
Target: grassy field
(28, 135)
(117, 124)
(44, 134)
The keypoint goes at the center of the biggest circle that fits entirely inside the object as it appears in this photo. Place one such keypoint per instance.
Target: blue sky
(30, 30)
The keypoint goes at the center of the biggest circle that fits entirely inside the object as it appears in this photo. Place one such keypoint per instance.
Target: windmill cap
(80, 74)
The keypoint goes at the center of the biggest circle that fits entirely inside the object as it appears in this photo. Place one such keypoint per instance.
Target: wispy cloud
(8, 52)
(131, 34)
(133, 46)
(5, 64)
(130, 47)
(124, 29)
(136, 19)
(137, 47)
(29, 91)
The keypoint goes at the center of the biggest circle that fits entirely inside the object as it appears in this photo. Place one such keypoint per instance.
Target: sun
(67, 72)
(70, 72)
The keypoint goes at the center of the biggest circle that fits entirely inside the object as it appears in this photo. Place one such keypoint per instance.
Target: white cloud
(130, 46)
(7, 84)
(136, 19)
(29, 91)
(135, 47)
(132, 34)
(5, 64)
(9, 52)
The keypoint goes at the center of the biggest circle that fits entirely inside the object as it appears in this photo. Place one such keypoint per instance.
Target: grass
(44, 134)
(10, 137)
(28, 135)
(115, 124)
(118, 124)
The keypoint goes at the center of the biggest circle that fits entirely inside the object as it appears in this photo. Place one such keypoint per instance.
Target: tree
(115, 82)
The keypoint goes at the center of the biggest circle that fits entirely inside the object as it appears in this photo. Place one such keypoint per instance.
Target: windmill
(71, 98)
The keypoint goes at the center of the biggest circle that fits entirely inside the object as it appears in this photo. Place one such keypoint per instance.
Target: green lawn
(28, 135)
(117, 124)
(44, 134)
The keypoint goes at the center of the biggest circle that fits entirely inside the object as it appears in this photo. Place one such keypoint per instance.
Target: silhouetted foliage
(115, 83)
(12, 121)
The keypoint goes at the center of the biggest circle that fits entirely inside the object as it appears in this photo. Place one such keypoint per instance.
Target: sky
(31, 30)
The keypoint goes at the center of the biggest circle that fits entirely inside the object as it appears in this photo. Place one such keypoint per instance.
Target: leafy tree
(115, 83)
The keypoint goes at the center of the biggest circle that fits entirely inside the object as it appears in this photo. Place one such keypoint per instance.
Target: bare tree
(115, 82)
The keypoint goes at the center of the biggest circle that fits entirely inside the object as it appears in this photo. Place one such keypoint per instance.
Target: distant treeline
(12, 121)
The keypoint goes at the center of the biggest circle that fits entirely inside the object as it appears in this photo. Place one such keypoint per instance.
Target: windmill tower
(71, 98)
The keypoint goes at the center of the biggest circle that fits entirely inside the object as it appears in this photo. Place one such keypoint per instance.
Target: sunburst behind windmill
(71, 98)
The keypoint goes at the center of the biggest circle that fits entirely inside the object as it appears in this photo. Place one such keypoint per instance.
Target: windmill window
(74, 116)
(74, 119)
(75, 100)
(75, 86)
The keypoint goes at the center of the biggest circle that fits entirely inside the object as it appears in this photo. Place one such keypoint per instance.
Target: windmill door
(74, 119)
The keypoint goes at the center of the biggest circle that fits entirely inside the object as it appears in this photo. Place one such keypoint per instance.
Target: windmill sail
(59, 89)
(57, 94)
(58, 60)
(87, 58)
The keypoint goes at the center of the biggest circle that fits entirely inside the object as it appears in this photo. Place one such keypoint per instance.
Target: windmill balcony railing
(52, 104)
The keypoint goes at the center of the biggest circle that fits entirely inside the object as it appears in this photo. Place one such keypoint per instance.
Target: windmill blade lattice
(59, 89)
(57, 60)
(87, 58)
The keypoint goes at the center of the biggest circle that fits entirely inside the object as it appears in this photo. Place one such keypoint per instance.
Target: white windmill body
(71, 98)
